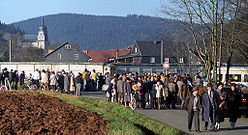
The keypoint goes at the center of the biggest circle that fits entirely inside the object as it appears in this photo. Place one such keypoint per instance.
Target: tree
(29, 54)
(205, 21)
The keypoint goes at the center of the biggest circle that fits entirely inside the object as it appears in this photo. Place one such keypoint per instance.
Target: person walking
(220, 113)
(193, 106)
(210, 105)
(233, 103)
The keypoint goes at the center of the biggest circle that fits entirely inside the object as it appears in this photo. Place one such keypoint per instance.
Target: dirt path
(30, 113)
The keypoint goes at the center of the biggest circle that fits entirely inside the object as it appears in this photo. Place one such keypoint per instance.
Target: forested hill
(5, 29)
(101, 32)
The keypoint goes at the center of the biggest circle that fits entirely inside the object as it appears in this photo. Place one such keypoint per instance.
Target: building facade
(67, 53)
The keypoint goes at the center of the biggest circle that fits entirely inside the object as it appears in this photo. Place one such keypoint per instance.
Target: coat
(159, 91)
(184, 91)
(120, 86)
(206, 105)
(189, 102)
(53, 80)
(66, 83)
(72, 84)
(127, 90)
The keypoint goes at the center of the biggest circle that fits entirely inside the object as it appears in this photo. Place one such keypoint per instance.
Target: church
(38, 41)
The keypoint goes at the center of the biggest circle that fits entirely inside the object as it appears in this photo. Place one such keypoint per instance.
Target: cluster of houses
(140, 52)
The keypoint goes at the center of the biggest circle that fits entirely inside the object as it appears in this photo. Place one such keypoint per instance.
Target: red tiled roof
(103, 56)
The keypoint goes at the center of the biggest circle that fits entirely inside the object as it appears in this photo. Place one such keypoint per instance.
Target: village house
(66, 53)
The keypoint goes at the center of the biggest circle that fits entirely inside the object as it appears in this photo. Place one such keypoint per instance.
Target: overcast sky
(18, 10)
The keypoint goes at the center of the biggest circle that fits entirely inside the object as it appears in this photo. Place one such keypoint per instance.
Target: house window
(167, 60)
(181, 60)
(59, 56)
(75, 56)
(152, 60)
(67, 46)
(135, 49)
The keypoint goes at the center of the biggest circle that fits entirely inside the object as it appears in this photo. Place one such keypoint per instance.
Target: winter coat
(53, 80)
(72, 84)
(66, 83)
(127, 90)
(183, 91)
(206, 104)
(159, 89)
(119, 86)
(189, 103)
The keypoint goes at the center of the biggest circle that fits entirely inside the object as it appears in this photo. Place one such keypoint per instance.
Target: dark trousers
(140, 101)
(195, 115)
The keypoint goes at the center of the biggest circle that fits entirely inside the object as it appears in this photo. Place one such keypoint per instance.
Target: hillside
(101, 32)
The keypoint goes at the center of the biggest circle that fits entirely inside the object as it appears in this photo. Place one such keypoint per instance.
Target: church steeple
(42, 35)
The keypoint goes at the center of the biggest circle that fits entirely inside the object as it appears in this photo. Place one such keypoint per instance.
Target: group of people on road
(151, 90)
(156, 91)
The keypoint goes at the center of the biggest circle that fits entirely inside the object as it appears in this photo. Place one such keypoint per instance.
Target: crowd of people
(61, 81)
(156, 91)
(151, 90)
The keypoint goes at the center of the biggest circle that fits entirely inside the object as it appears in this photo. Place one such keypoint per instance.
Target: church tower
(42, 36)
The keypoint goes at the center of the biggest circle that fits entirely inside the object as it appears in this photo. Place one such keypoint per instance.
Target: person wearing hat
(233, 101)
(193, 106)
(210, 105)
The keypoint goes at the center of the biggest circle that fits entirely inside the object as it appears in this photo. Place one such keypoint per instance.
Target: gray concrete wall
(29, 67)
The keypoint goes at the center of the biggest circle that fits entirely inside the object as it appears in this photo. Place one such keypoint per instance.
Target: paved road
(178, 119)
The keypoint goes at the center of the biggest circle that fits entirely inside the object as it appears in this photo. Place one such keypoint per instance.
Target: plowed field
(33, 113)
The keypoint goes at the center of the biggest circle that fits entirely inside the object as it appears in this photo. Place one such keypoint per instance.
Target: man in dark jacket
(79, 82)
(233, 102)
(193, 106)
(210, 105)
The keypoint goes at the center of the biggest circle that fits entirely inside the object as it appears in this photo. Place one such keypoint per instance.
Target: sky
(18, 10)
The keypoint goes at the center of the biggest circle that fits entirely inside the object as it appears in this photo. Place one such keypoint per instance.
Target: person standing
(210, 105)
(233, 103)
(66, 82)
(220, 115)
(79, 82)
(193, 106)
(46, 81)
(171, 94)
(120, 90)
(93, 77)
(183, 91)
(36, 77)
(22, 78)
(159, 89)
(15, 79)
(72, 83)
(127, 90)
(53, 81)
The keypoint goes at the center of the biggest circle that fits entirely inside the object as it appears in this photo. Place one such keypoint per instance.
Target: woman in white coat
(159, 89)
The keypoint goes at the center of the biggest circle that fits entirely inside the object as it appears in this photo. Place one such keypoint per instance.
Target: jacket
(189, 102)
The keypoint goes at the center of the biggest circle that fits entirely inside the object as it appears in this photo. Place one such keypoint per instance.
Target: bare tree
(205, 21)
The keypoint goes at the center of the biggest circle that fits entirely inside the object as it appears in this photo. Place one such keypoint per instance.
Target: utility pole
(10, 50)
(162, 52)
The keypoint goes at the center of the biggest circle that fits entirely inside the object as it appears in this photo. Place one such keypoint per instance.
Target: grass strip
(124, 121)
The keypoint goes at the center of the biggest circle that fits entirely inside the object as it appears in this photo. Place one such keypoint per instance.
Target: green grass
(123, 121)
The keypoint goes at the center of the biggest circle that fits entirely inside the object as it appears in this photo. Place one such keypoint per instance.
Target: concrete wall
(29, 67)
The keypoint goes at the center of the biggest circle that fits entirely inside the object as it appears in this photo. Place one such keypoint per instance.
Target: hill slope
(101, 32)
